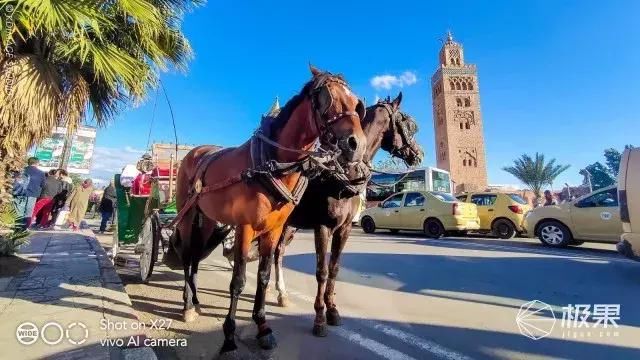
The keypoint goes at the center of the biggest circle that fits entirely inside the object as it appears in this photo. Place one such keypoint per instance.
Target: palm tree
(61, 60)
(534, 172)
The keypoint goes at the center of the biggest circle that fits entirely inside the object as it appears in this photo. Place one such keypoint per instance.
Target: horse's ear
(396, 102)
(314, 70)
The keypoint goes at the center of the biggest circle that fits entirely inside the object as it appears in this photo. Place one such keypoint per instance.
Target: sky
(556, 77)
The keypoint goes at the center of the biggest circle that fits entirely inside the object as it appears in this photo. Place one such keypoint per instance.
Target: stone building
(457, 120)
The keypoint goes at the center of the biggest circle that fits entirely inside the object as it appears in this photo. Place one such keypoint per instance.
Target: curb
(110, 279)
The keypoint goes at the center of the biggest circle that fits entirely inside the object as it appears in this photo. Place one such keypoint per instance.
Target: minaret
(457, 120)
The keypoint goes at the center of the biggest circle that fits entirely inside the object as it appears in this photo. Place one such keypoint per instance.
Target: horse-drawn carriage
(146, 205)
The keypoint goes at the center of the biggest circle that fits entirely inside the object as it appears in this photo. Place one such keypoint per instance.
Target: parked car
(593, 217)
(433, 212)
(499, 213)
(629, 195)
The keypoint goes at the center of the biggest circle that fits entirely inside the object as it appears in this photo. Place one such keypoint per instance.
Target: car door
(389, 214)
(597, 217)
(486, 208)
(413, 211)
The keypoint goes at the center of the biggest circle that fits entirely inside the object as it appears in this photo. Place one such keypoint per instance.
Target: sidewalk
(67, 288)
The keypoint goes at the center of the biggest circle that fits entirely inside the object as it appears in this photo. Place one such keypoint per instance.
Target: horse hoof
(320, 330)
(283, 300)
(333, 317)
(267, 341)
(189, 315)
(229, 351)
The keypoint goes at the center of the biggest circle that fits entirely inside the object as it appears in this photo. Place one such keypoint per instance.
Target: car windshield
(444, 196)
(517, 198)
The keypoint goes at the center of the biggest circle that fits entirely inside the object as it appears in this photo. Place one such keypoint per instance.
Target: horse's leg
(283, 298)
(244, 235)
(190, 260)
(321, 239)
(189, 313)
(337, 245)
(193, 280)
(267, 245)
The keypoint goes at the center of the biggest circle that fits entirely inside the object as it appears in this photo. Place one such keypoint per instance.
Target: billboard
(50, 151)
(81, 152)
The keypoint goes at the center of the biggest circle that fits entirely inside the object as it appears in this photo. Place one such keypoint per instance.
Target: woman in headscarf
(77, 203)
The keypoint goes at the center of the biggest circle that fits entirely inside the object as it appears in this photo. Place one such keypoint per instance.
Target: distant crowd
(50, 200)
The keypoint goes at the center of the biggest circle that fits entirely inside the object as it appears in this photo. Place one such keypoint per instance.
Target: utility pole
(66, 152)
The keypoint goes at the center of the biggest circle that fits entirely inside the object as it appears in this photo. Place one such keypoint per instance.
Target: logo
(52, 333)
(605, 215)
(532, 321)
(27, 333)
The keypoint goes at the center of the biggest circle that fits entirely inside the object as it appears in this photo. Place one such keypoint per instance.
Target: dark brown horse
(255, 187)
(328, 206)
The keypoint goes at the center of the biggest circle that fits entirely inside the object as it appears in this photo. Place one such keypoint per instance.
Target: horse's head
(395, 130)
(337, 114)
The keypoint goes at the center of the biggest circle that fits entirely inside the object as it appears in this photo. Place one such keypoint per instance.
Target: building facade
(457, 120)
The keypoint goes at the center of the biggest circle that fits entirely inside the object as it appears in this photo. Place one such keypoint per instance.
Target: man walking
(26, 202)
(548, 199)
(44, 205)
(107, 204)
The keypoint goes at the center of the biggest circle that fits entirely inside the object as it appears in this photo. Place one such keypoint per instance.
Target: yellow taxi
(433, 212)
(629, 195)
(500, 213)
(592, 217)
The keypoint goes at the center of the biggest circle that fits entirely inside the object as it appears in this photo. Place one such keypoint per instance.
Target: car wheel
(504, 229)
(433, 228)
(368, 226)
(394, 231)
(553, 233)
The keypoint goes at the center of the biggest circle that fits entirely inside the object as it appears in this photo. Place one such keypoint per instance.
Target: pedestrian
(60, 199)
(107, 204)
(32, 182)
(44, 205)
(77, 203)
(548, 198)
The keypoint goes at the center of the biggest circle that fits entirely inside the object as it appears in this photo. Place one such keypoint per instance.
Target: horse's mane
(279, 121)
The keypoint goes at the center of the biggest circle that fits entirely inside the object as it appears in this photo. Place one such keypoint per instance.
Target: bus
(382, 186)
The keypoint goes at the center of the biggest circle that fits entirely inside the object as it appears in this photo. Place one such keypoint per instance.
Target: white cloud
(387, 81)
(109, 161)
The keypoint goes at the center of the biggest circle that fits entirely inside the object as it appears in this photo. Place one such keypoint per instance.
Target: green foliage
(535, 172)
(11, 237)
(601, 176)
(76, 179)
(390, 164)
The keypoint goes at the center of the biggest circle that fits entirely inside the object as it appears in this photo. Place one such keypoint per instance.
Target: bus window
(441, 181)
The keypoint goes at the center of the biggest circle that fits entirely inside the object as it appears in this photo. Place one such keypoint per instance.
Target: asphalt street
(406, 297)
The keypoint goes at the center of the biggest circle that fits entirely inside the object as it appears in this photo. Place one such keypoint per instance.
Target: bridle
(396, 126)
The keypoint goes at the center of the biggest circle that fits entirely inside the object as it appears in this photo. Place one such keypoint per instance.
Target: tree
(600, 176)
(535, 172)
(61, 60)
(613, 158)
(390, 164)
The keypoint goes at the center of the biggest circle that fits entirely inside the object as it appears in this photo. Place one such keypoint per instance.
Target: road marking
(375, 346)
(426, 345)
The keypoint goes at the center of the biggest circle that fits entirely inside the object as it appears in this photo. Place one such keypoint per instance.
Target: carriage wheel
(115, 244)
(150, 238)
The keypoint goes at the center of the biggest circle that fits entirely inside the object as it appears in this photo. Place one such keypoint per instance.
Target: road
(407, 297)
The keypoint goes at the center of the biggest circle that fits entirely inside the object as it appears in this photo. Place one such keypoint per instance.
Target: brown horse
(328, 206)
(256, 186)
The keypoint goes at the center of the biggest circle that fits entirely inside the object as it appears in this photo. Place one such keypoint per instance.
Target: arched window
(470, 85)
(464, 85)
(457, 85)
(467, 126)
(458, 101)
(475, 163)
(452, 86)
(464, 162)
(461, 125)
(467, 102)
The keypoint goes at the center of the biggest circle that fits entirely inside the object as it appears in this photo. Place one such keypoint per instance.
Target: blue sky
(558, 77)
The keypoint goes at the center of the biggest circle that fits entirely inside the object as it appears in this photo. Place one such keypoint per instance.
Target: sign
(81, 152)
(50, 151)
